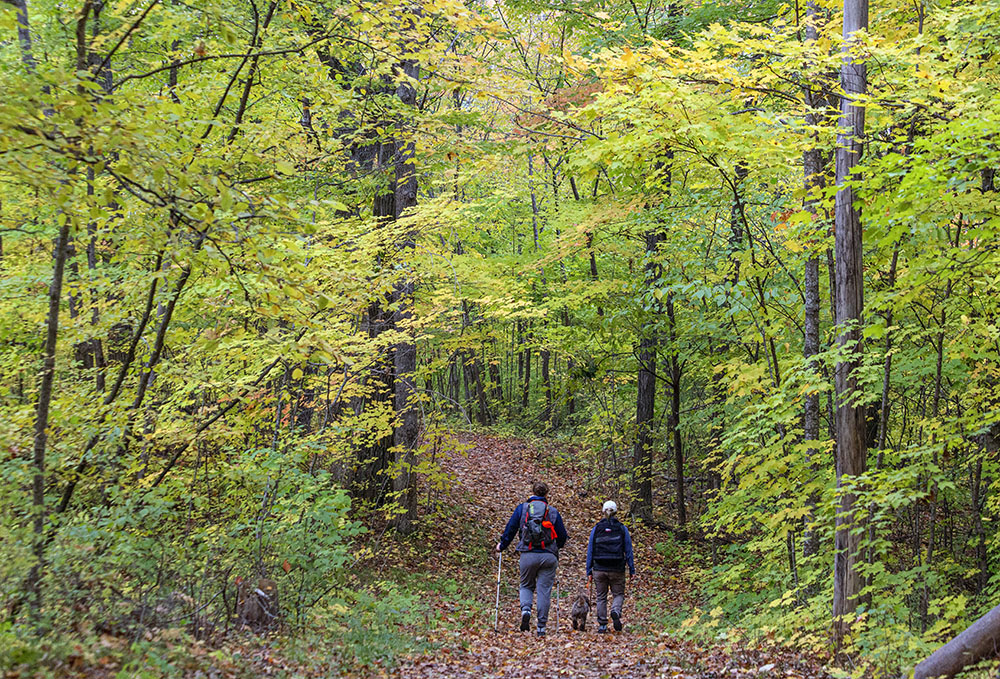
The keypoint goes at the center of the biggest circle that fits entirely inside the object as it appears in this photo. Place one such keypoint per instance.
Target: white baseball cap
(610, 506)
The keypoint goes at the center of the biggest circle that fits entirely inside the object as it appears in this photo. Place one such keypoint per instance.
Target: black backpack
(537, 532)
(608, 552)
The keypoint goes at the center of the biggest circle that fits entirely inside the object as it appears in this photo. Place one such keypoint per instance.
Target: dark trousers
(604, 581)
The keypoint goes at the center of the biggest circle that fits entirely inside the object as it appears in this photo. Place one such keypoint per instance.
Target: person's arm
(590, 552)
(561, 534)
(510, 532)
(628, 551)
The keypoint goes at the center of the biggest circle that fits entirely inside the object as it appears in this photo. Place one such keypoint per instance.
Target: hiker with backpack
(540, 532)
(609, 552)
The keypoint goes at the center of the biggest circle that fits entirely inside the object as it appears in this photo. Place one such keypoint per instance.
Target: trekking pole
(496, 613)
(557, 605)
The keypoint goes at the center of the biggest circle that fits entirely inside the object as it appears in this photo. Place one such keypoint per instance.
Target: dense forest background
(262, 261)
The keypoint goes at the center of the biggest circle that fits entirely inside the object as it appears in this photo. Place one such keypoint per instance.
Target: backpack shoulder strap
(527, 508)
(612, 525)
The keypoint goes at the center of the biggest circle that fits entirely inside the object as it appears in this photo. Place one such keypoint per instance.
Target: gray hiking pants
(603, 581)
(538, 571)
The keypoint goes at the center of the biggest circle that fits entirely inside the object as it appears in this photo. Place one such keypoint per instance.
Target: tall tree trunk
(375, 458)
(851, 431)
(485, 417)
(675, 417)
(496, 381)
(590, 239)
(645, 408)
(812, 163)
(546, 386)
(42, 420)
(534, 201)
(104, 79)
(642, 458)
(24, 35)
(405, 361)
(925, 598)
(978, 502)
(526, 391)
(466, 380)
(44, 403)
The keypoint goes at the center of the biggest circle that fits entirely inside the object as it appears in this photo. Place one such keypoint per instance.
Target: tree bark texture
(47, 377)
(642, 458)
(526, 385)
(546, 356)
(24, 35)
(405, 354)
(42, 419)
(375, 457)
(645, 408)
(850, 415)
(812, 165)
(675, 416)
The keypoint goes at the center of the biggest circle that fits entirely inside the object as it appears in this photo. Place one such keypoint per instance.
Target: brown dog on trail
(578, 614)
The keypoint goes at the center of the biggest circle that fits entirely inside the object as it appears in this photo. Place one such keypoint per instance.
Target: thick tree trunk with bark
(24, 35)
(374, 459)
(645, 408)
(405, 353)
(642, 457)
(850, 416)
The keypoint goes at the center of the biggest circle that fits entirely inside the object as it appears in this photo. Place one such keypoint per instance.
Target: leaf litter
(491, 476)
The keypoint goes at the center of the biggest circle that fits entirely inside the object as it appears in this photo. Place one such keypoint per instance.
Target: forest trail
(489, 482)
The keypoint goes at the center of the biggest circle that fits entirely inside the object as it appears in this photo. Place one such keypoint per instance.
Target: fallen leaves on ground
(490, 481)
(491, 475)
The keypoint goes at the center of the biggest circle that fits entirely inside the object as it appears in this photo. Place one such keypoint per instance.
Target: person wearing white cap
(609, 552)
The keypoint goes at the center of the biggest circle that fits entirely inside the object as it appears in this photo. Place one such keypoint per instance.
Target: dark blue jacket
(512, 531)
(628, 550)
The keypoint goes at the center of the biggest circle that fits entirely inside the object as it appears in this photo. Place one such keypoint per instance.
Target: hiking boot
(616, 620)
(525, 622)
(541, 631)
(603, 629)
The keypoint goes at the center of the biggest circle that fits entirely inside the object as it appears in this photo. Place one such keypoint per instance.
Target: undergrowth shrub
(166, 557)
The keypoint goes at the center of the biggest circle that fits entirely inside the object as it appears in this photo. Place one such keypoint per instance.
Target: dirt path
(491, 481)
